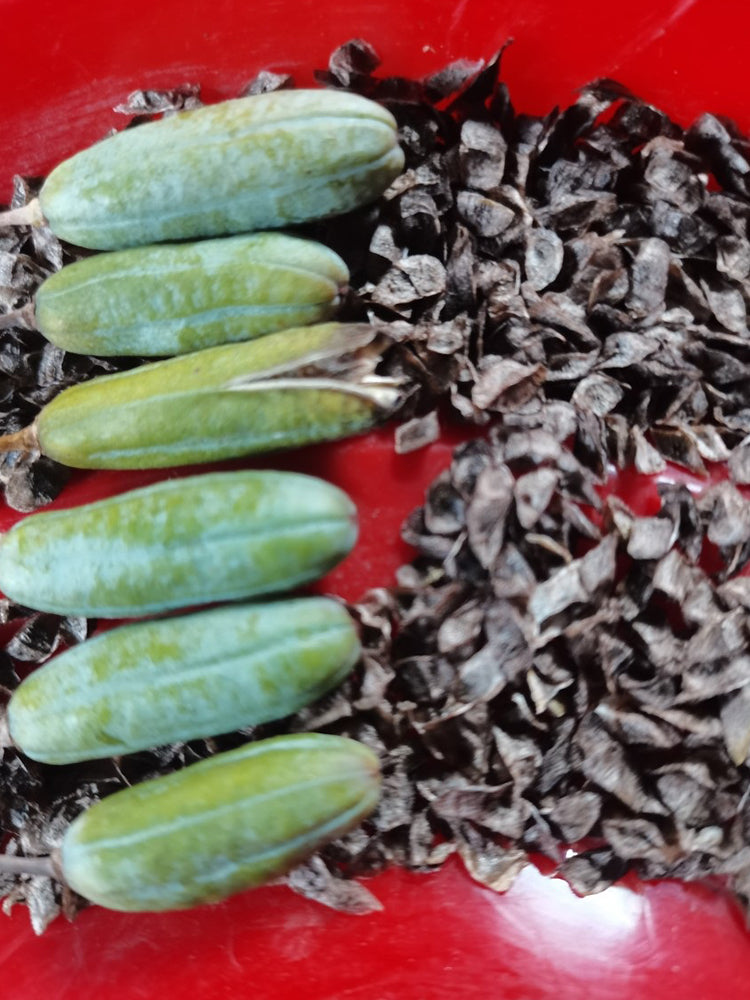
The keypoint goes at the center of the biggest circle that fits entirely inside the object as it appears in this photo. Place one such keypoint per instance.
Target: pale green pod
(177, 543)
(181, 678)
(176, 298)
(228, 823)
(223, 402)
(261, 162)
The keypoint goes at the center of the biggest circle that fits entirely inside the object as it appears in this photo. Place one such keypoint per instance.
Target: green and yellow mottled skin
(261, 162)
(177, 543)
(182, 678)
(205, 406)
(231, 822)
(176, 298)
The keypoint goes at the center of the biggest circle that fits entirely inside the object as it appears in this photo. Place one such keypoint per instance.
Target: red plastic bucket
(65, 65)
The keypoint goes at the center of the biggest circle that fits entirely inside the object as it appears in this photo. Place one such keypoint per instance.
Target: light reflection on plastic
(592, 928)
(614, 912)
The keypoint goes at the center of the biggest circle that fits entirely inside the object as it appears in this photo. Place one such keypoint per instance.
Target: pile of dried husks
(550, 670)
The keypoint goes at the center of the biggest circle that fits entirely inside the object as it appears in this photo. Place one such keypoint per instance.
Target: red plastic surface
(65, 64)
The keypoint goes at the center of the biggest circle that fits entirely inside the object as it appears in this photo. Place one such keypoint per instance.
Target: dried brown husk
(585, 705)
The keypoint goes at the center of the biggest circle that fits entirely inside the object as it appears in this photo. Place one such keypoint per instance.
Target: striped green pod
(182, 678)
(228, 823)
(222, 402)
(261, 162)
(177, 543)
(175, 298)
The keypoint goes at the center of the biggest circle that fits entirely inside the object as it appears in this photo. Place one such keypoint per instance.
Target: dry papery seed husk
(552, 674)
(555, 674)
